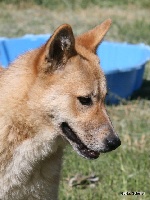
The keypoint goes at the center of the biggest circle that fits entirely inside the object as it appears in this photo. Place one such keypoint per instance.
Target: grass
(75, 4)
(127, 168)
(34, 19)
(118, 172)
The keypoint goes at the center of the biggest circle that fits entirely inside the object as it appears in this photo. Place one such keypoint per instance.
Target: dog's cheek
(57, 105)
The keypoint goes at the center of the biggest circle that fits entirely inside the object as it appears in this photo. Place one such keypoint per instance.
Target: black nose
(112, 143)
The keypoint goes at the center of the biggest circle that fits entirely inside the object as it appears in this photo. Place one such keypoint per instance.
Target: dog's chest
(29, 181)
(44, 181)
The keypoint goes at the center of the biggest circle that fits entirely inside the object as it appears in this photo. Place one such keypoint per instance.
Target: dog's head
(72, 90)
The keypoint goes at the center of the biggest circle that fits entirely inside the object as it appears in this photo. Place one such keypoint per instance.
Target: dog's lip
(80, 146)
(88, 153)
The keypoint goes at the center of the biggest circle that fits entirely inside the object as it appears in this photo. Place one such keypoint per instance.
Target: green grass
(127, 168)
(120, 171)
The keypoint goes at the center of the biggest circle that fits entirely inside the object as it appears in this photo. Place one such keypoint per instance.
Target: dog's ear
(92, 38)
(60, 47)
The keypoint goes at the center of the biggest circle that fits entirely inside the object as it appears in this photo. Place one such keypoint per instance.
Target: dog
(52, 96)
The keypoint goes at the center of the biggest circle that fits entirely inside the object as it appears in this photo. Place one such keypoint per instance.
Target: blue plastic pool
(124, 66)
(122, 63)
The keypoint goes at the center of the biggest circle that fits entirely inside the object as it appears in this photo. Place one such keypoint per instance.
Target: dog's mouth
(80, 146)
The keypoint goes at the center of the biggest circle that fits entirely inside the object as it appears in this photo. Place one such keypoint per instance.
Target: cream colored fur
(38, 92)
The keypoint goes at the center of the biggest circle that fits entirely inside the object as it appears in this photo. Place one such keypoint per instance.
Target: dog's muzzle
(82, 148)
(110, 143)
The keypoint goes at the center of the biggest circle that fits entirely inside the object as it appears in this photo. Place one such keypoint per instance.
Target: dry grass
(35, 19)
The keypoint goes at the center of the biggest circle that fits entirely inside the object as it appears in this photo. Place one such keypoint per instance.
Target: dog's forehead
(85, 74)
(95, 71)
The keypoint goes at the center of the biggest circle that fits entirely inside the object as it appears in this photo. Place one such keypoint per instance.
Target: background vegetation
(75, 4)
(127, 168)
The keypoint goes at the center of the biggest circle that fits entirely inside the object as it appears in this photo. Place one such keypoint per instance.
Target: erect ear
(92, 38)
(60, 47)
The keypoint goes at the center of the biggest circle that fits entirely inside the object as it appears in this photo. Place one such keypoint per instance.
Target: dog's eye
(85, 100)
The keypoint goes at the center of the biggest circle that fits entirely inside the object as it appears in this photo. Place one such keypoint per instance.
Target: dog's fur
(49, 96)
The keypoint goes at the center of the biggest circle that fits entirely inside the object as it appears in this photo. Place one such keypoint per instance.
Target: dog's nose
(112, 143)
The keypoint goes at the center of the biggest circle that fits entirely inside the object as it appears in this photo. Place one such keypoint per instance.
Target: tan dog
(49, 96)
